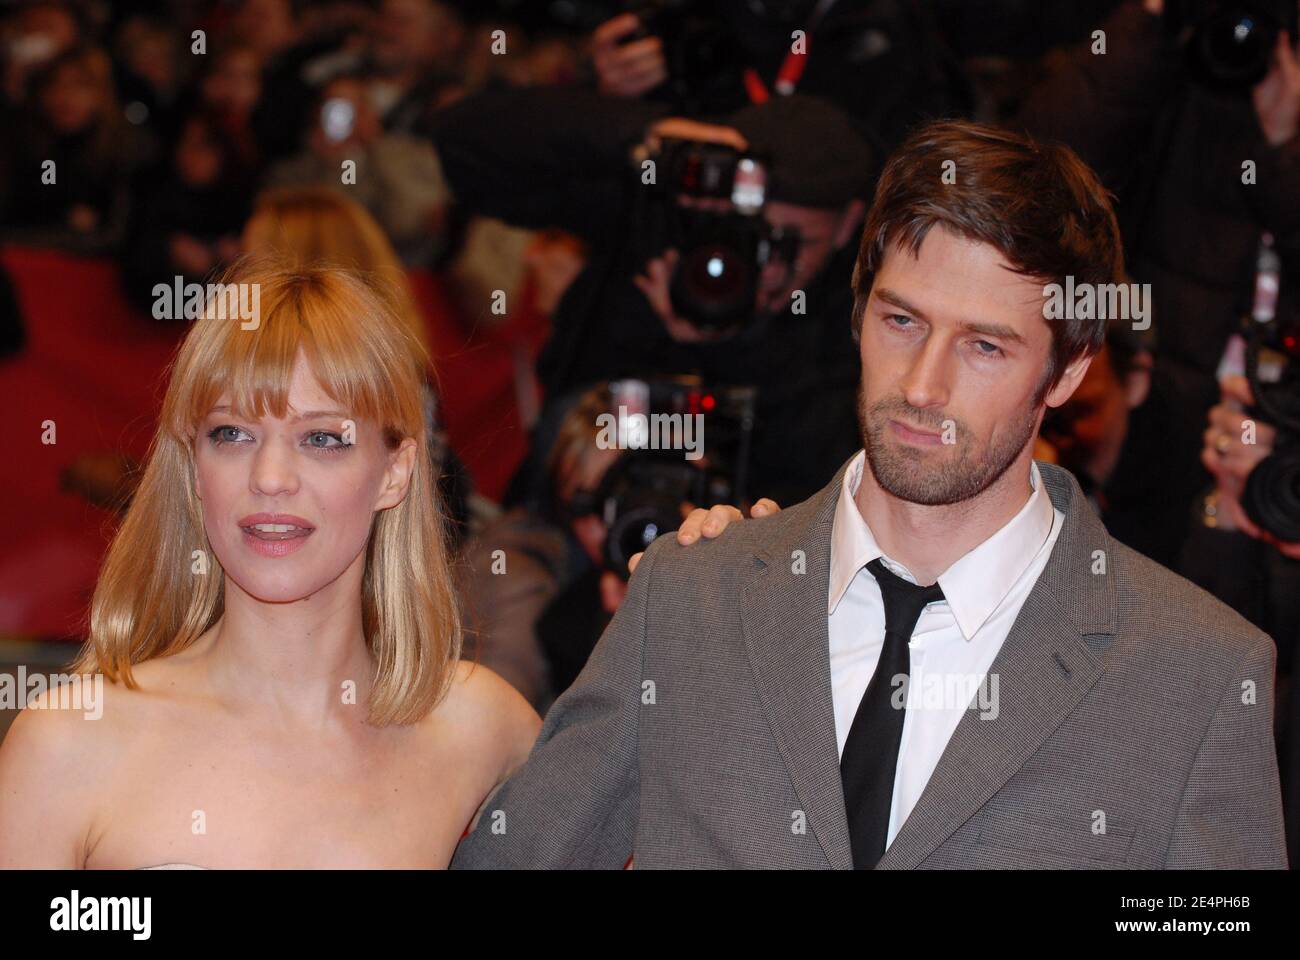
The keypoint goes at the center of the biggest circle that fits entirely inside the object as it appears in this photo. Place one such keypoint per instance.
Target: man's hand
(655, 284)
(712, 522)
(1223, 453)
(682, 128)
(1230, 461)
(626, 69)
(1277, 96)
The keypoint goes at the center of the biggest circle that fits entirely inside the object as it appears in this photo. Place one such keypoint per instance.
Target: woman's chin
(276, 589)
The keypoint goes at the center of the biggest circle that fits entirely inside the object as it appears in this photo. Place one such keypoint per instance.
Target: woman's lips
(275, 543)
(280, 534)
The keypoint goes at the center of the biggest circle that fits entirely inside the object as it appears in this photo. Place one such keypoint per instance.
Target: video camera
(641, 494)
(706, 202)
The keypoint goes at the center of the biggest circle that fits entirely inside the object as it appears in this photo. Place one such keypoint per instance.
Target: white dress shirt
(955, 639)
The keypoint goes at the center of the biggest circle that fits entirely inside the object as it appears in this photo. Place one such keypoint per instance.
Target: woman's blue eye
(317, 439)
(326, 435)
(216, 435)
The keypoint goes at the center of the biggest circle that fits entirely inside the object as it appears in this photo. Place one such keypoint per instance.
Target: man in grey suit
(789, 695)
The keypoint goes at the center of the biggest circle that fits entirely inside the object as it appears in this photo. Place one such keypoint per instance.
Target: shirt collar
(976, 584)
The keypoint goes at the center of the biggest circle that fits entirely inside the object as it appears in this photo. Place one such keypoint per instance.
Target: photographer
(1190, 116)
(542, 584)
(880, 61)
(1248, 566)
(541, 158)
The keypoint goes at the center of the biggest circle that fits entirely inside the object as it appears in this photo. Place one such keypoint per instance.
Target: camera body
(709, 201)
(1229, 43)
(641, 494)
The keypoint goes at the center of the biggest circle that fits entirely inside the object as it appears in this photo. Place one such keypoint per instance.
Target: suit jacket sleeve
(1231, 813)
(574, 803)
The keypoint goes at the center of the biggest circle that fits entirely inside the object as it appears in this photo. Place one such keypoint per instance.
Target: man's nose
(925, 383)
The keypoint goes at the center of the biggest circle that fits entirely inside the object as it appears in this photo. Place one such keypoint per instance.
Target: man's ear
(1137, 384)
(1069, 382)
(850, 222)
(398, 474)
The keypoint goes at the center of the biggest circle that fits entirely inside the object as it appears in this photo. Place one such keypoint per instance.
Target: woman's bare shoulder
(76, 716)
(59, 754)
(494, 715)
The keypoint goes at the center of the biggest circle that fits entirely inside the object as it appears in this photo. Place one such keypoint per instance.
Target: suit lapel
(1047, 665)
(785, 627)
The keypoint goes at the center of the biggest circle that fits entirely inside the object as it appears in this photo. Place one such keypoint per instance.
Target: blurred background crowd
(650, 205)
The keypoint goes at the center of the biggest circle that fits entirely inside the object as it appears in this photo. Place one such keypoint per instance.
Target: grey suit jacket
(1133, 729)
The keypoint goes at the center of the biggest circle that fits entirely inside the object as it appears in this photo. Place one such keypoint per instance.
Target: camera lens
(1236, 44)
(635, 529)
(715, 285)
(1272, 495)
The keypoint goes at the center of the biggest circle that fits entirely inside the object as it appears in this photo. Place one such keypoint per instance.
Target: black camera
(1272, 494)
(1229, 43)
(709, 200)
(662, 424)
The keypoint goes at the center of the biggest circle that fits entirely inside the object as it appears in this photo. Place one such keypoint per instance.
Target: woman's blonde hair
(317, 224)
(152, 601)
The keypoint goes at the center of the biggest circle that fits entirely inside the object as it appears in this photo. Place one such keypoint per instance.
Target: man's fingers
(1286, 56)
(633, 560)
(692, 526)
(764, 508)
(640, 53)
(1237, 387)
(685, 129)
(609, 32)
(719, 517)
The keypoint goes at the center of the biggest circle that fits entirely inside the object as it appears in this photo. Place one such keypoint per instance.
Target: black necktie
(871, 751)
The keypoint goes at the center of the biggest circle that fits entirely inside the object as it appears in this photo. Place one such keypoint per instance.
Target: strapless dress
(173, 866)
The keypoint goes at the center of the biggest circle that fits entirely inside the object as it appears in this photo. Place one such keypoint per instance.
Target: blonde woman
(321, 225)
(318, 225)
(276, 620)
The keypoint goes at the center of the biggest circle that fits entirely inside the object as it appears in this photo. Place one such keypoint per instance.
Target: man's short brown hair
(1038, 204)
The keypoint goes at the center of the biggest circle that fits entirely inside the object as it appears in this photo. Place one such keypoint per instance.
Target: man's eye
(988, 353)
(898, 320)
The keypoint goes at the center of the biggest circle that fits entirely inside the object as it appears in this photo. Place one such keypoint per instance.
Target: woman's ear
(397, 476)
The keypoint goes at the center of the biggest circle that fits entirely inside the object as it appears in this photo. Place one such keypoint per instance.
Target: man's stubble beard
(956, 473)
